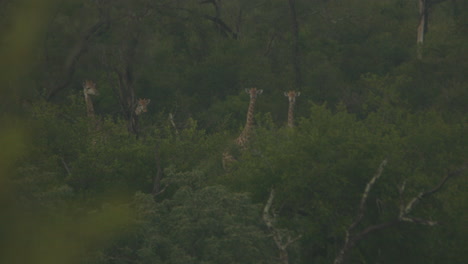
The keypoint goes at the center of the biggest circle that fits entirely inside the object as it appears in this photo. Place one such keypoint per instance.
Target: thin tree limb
(281, 237)
(409, 207)
(157, 178)
(295, 49)
(74, 55)
(65, 166)
(352, 239)
(365, 195)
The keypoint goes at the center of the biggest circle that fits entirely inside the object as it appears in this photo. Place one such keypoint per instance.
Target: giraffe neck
(89, 106)
(244, 136)
(291, 113)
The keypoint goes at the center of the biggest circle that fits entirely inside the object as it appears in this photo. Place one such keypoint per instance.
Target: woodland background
(374, 104)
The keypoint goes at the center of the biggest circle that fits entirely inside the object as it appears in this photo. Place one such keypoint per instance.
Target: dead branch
(171, 120)
(281, 237)
(295, 48)
(352, 239)
(222, 26)
(365, 195)
(157, 178)
(65, 166)
(405, 210)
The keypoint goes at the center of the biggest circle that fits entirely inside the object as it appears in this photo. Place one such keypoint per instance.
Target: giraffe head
(89, 88)
(253, 92)
(292, 95)
(142, 106)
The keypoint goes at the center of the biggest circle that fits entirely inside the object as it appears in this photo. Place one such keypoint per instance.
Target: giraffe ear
(259, 91)
(285, 94)
(298, 94)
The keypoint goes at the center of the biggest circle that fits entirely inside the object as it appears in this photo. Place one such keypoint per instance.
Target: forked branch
(405, 209)
(281, 237)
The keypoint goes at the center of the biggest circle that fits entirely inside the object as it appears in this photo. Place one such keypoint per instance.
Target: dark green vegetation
(122, 188)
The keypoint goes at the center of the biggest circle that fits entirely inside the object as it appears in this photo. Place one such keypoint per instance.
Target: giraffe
(292, 101)
(243, 139)
(132, 122)
(89, 89)
(142, 106)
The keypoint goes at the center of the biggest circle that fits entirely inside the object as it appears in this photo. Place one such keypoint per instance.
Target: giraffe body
(292, 101)
(243, 139)
(89, 89)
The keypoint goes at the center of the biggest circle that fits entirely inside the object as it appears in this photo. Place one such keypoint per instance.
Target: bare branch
(295, 48)
(365, 195)
(171, 120)
(409, 207)
(418, 221)
(75, 54)
(266, 215)
(161, 191)
(65, 166)
(352, 239)
(224, 28)
(279, 236)
(159, 172)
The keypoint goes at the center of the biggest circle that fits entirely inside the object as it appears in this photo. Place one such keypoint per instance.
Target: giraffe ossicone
(253, 92)
(292, 95)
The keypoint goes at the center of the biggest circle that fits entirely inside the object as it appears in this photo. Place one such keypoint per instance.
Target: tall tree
(295, 48)
(422, 26)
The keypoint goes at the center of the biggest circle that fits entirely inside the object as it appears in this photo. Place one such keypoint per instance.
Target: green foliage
(202, 224)
(79, 190)
(321, 168)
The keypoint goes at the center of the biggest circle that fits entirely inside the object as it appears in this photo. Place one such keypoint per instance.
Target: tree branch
(222, 26)
(404, 211)
(75, 54)
(365, 194)
(295, 49)
(157, 178)
(171, 120)
(281, 237)
(65, 166)
(352, 239)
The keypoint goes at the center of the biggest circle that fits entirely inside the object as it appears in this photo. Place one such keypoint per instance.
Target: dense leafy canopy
(118, 187)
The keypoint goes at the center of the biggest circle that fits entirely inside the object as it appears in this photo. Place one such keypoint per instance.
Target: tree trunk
(158, 176)
(422, 26)
(295, 49)
(126, 90)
